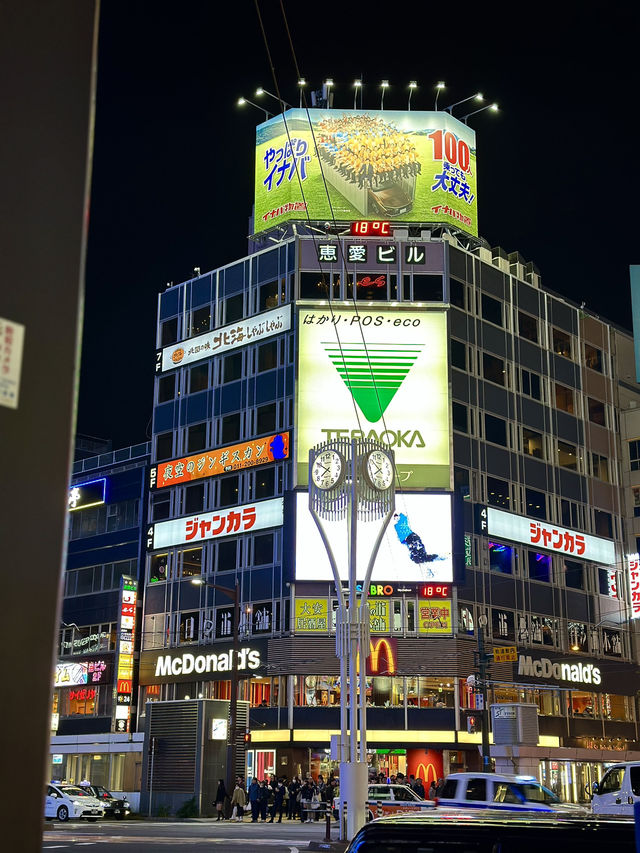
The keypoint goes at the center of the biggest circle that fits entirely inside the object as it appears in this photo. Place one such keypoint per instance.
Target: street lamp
(242, 101)
(261, 91)
(233, 594)
(384, 86)
(483, 660)
(412, 85)
(301, 84)
(439, 86)
(477, 97)
(357, 86)
(492, 107)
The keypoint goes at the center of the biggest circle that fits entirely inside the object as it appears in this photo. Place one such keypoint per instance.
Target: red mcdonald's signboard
(425, 764)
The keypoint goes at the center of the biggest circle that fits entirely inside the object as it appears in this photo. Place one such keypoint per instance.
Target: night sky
(173, 159)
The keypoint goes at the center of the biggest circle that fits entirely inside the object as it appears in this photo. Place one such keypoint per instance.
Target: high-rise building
(511, 412)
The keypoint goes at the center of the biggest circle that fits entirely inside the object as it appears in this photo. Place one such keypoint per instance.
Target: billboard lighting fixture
(493, 107)
(439, 86)
(261, 91)
(412, 85)
(301, 84)
(242, 101)
(477, 97)
(357, 86)
(384, 86)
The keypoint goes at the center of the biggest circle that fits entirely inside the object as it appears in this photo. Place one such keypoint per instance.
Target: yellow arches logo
(382, 657)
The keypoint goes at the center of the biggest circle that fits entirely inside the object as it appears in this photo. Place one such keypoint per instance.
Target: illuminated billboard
(221, 460)
(416, 547)
(226, 338)
(378, 374)
(389, 165)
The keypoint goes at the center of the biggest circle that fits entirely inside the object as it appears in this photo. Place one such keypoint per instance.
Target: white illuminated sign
(549, 537)
(577, 673)
(376, 374)
(215, 525)
(241, 333)
(187, 663)
(633, 568)
(416, 547)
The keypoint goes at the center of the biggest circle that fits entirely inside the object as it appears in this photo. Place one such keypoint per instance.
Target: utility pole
(482, 662)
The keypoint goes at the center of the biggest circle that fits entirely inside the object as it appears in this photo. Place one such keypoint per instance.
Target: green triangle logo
(373, 372)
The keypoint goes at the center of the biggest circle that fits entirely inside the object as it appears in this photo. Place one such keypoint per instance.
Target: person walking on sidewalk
(254, 799)
(221, 795)
(278, 801)
(238, 802)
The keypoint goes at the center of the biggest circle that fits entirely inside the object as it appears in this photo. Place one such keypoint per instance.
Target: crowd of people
(414, 782)
(367, 151)
(270, 798)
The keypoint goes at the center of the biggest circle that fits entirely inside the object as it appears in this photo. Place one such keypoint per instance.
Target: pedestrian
(412, 781)
(278, 801)
(306, 798)
(440, 787)
(221, 794)
(294, 790)
(238, 802)
(254, 795)
(263, 799)
(419, 788)
(432, 791)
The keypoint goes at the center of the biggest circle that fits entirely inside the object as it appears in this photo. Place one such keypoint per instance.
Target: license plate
(95, 811)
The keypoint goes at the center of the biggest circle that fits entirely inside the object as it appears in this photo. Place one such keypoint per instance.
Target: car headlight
(77, 803)
(126, 805)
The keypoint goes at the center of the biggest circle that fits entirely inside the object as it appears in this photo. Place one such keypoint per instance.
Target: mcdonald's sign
(125, 685)
(383, 654)
(425, 764)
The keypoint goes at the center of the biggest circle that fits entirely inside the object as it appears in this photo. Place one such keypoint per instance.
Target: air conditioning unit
(514, 724)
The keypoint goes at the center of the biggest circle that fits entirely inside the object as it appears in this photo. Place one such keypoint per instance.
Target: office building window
(230, 428)
(596, 411)
(573, 574)
(227, 555)
(263, 549)
(198, 378)
(267, 356)
(530, 384)
(164, 445)
(495, 430)
(232, 367)
(200, 320)
(460, 417)
(593, 357)
(493, 369)
(196, 437)
(166, 388)
(266, 418)
(169, 332)
(532, 443)
(603, 523)
(636, 501)
(536, 504)
(158, 568)
(268, 294)
(539, 566)
(498, 493)
(567, 456)
(527, 327)
(265, 483)
(561, 342)
(229, 490)
(191, 562)
(501, 558)
(457, 293)
(634, 455)
(491, 309)
(600, 467)
(458, 354)
(233, 308)
(193, 498)
(570, 513)
(564, 399)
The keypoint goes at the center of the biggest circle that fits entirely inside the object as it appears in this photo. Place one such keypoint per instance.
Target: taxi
(71, 802)
(502, 792)
(390, 800)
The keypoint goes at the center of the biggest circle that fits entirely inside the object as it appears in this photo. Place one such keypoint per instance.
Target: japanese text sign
(215, 525)
(311, 616)
(434, 616)
(505, 653)
(221, 460)
(248, 331)
(72, 673)
(85, 495)
(633, 567)
(405, 166)
(379, 375)
(11, 344)
(549, 537)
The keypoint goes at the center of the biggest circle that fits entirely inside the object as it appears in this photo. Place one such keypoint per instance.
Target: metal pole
(482, 671)
(353, 612)
(233, 701)
(152, 745)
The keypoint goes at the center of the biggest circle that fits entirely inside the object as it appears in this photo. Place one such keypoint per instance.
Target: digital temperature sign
(432, 590)
(370, 228)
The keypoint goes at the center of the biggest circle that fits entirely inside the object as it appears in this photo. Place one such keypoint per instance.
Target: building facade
(94, 733)
(520, 444)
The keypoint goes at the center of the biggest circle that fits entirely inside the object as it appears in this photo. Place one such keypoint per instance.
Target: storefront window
(158, 568)
(500, 558)
(582, 704)
(84, 701)
(615, 707)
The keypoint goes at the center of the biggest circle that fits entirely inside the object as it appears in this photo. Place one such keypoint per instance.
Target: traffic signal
(247, 737)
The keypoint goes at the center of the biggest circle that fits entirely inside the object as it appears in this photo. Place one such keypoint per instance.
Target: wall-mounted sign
(215, 525)
(416, 547)
(186, 663)
(84, 495)
(392, 366)
(549, 537)
(72, 673)
(56, 758)
(379, 621)
(504, 653)
(577, 673)
(311, 615)
(383, 655)
(633, 568)
(221, 460)
(370, 228)
(249, 331)
(126, 639)
(434, 617)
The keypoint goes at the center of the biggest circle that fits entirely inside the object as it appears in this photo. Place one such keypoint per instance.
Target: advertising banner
(434, 617)
(214, 525)
(72, 673)
(634, 584)
(88, 494)
(311, 616)
(416, 547)
(220, 460)
(379, 375)
(225, 338)
(390, 165)
(549, 537)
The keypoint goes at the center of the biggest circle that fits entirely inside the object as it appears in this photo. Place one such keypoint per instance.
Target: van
(502, 791)
(618, 790)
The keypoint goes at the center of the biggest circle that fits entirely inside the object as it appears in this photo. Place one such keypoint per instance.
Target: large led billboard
(391, 165)
(416, 547)
(378, 374)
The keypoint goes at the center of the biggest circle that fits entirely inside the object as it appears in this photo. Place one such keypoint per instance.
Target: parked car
(70, 802)
(441, 831)
(118, 807)
(617, 791)
(389, 799)
(502, 791)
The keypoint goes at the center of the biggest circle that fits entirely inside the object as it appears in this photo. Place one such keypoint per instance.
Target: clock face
(378, 470)
(328, 469)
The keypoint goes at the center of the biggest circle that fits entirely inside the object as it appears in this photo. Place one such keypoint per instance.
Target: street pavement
(143, 836)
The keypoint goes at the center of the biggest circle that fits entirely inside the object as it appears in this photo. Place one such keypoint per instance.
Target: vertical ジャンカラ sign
(380, 375)
(374, 165)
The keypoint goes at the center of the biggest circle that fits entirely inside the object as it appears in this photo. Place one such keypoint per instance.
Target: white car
(503, 792)
(390, 799)
(69, 802)
(618, 790)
